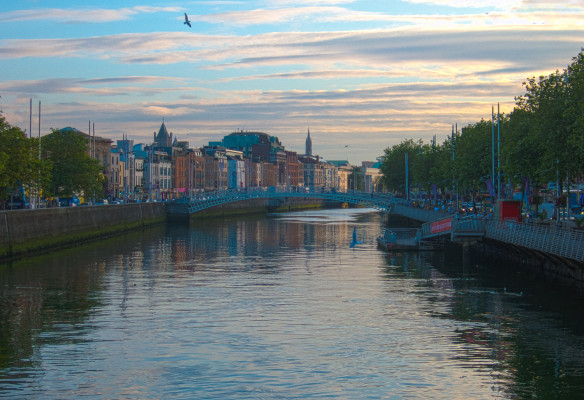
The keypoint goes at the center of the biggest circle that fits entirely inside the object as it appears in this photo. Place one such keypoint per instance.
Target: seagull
(187, 22)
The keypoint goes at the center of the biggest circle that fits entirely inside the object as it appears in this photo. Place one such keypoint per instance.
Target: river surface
(281, 307)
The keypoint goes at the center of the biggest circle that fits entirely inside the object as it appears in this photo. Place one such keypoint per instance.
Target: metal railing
(561, 242)
(206, 200)
(469, 227)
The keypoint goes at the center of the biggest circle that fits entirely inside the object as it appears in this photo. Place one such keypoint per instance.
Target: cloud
(81, 15)
(500, 4)
(84, 86)
(503, 12)
(376, 49)
(280, 3)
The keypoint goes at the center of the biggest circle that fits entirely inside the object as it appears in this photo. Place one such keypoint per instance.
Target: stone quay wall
(24, 232)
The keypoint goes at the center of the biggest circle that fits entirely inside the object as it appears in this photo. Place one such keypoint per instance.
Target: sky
(361, 75)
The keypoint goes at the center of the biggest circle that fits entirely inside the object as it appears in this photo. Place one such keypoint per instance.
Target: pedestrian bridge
(203, 201)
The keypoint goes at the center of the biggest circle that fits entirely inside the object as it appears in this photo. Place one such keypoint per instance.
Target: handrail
(552, 240)
(206, 200)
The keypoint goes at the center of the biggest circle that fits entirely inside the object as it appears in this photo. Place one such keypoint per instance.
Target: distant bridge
(203, 201)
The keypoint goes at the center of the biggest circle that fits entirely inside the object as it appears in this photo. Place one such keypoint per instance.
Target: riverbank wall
(546, 267)
(28, 232)
(24, 232)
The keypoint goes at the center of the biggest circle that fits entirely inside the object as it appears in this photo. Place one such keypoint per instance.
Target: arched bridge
(200, 202)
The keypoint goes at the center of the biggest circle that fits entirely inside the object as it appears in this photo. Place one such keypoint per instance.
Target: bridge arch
(208, 200)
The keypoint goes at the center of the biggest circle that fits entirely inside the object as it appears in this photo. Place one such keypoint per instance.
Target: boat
(396, 239)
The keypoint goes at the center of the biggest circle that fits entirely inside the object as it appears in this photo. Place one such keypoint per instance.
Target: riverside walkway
(549, 239)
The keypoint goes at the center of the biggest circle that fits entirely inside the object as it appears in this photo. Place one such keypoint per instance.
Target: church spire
(308, 144)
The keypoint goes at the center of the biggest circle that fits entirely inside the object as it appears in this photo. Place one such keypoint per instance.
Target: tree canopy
(21, 170)
(73, 170)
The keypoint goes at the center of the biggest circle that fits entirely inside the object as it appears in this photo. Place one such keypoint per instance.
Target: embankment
(24, 232)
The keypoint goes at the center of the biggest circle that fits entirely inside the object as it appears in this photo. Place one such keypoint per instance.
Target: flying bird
(187, 22)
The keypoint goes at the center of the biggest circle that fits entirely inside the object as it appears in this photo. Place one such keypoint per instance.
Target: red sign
(443, 225)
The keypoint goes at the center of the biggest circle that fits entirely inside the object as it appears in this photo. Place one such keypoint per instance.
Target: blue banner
(490, 188)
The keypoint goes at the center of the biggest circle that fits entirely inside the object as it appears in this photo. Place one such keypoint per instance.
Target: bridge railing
(205, 200)
(469, 226)
(561, 242)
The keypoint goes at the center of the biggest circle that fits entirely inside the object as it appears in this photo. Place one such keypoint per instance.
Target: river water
(281, 307)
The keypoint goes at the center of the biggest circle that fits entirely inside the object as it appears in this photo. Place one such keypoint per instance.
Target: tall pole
(39, 195)
(150, 174)
(453, 158)
(407, 179)
(498, 151)
(493, 146)
(30, 120)
(93, 156)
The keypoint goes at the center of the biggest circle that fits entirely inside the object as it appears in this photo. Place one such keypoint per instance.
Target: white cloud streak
(81, 15)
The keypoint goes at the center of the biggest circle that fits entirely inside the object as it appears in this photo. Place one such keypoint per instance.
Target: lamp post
(407, 179)
(498, 152)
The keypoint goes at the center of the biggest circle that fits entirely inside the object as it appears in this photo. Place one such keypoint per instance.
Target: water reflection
(281, 307)
(522, 342)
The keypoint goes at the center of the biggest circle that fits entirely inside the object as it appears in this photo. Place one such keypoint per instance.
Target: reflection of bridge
(207, 200)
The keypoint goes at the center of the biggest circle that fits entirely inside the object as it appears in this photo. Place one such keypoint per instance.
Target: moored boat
(396, 239)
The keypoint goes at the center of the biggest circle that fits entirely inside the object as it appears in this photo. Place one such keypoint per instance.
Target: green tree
(574, 114)
(521, 150)
(20, 166)
(422, 167)
(393, 166)
(473, 157)
(73, 170)
(545, 101)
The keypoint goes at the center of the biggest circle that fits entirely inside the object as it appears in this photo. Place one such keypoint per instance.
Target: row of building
(170, 169)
